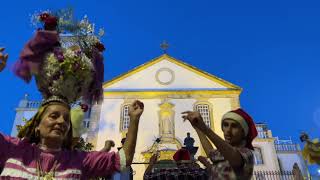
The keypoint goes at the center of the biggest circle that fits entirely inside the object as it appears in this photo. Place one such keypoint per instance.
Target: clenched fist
(136, 109)
(194, 117)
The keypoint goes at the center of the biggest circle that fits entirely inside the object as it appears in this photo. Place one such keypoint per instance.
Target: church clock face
(165, 76)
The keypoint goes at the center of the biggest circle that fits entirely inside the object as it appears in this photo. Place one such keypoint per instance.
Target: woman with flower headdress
(63, 75)
(233, 158)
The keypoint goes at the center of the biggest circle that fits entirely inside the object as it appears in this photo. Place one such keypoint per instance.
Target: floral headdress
(65, 56)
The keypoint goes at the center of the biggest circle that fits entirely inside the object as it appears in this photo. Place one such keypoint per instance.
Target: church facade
(167, 87)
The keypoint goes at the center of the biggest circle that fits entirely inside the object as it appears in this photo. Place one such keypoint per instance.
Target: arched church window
(124, 118)
(204, 110)
(258, 158)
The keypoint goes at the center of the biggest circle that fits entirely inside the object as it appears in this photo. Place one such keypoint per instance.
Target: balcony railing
(287, 147)
(257, 175)
(262, 131)
(37, 104)
(33, 104)
(273, 175)
(263, 134)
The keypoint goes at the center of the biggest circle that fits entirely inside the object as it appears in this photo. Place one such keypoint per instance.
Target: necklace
(46, 175)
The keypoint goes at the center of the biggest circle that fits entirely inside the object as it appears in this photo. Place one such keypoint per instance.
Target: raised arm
(230, 153)
(207, 147)
(135, 111)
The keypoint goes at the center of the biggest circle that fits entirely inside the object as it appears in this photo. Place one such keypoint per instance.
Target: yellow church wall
(164, 79)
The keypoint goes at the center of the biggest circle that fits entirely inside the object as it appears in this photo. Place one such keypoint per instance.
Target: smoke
(107, 126)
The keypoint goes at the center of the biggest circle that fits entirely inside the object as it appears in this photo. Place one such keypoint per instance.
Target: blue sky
(269, 48)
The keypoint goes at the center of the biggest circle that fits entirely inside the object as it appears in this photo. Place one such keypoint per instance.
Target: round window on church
(165, 76)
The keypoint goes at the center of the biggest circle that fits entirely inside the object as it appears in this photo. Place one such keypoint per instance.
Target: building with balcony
(167, 87)
(276, 155)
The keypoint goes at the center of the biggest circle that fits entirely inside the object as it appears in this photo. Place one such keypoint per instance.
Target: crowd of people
(44, 146)
(231, 159)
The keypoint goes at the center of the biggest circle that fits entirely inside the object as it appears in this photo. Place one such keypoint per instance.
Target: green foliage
(19, 127)
(83, 146)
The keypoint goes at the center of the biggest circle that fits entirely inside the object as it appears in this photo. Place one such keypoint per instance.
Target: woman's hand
(135, 110)
(108, 144)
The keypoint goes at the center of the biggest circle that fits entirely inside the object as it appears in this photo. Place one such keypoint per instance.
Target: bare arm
(130, 143)
(207, 147)
(229, 153)
(135, 111)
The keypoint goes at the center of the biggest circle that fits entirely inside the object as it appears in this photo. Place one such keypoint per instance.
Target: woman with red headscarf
(233, 158)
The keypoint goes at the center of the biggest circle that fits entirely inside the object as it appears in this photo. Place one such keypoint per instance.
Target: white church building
(167, 87)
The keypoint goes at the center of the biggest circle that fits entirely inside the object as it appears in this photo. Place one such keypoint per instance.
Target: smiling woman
(63, 75)
(45, 150)
(55, 124)
(51, 128)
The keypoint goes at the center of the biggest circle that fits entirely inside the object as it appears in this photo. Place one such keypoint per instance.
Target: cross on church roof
(164, 46)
